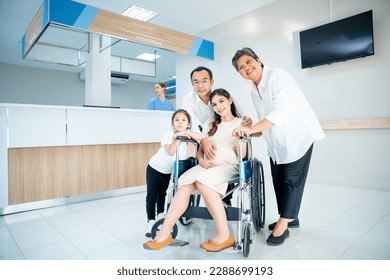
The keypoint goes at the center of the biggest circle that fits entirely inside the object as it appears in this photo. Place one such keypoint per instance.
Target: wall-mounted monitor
(341, 40)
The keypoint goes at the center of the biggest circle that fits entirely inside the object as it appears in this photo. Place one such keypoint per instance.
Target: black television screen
(340, 40)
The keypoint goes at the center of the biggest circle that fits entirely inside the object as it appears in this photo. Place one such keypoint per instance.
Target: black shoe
(275, 241)
(292, 224)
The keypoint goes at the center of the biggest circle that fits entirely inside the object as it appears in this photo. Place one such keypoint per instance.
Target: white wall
(19, 84)
(353, 89)
(348, 90)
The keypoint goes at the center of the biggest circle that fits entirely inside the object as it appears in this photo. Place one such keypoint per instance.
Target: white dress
(217, 177)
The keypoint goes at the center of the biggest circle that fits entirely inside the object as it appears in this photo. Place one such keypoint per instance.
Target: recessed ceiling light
(139, 13)
(148, 56)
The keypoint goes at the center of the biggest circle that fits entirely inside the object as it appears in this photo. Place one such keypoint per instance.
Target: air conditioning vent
(119, 78)
(116, 77)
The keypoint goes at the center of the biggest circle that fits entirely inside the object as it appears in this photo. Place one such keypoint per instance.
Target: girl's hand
(241, 131)
(181, 133)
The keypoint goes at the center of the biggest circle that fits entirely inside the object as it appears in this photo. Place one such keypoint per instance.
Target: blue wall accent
(202, 48)
(206, 49)
(72, 13)
(86, 17)
(45, 14)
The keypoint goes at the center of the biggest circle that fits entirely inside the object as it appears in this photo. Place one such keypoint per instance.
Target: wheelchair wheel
(258, 195)
(157, 226)
(194, 201)
(246, 239)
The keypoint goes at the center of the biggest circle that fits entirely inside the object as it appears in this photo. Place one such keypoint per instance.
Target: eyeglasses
(249, 62)
(202, 82)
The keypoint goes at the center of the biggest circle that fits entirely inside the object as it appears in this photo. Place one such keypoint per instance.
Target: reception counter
(51, 153)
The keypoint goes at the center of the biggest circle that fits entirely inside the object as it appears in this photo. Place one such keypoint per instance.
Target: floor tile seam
(359, 257)
(103, 229)
(50, 244)
(14, 240)
(108, 245)
(63, 235)
(105, 207)
(360, 239)
(279, 254)
(92, 221)
(335, 218)
(316, 245)
(304, 240)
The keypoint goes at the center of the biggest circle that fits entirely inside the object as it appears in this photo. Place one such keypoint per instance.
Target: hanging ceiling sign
(79, 16)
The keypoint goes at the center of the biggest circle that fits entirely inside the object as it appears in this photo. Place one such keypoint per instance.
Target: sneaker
(160, 216)
(149, 228)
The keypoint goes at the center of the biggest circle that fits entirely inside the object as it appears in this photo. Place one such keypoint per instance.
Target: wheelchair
(248, 183)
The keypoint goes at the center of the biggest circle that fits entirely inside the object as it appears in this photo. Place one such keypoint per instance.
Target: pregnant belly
(225, 154)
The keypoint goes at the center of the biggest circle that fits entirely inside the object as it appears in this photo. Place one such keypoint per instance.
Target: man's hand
(209, 148)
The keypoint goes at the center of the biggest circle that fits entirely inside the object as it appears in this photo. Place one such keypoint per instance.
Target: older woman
(289, 127)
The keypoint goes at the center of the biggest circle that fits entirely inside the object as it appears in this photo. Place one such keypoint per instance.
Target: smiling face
(222, 106)
(202, 84)
(250, 68)
(180, 122)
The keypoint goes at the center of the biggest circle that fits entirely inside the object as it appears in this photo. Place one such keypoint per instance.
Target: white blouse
(279, 100)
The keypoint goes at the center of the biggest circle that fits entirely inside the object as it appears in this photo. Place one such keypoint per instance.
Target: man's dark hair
(202, 68)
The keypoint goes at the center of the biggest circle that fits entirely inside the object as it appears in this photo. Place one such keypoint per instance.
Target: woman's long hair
(217, 118)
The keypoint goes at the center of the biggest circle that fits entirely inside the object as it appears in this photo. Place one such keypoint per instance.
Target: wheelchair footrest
(232, 213)
(179, 243)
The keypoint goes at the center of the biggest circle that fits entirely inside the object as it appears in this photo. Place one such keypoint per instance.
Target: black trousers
(156, 189)
(289, 182)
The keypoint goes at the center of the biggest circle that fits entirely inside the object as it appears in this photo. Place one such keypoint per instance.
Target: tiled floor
(337, 222)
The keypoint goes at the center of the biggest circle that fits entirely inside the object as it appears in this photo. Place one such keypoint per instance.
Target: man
(197, 104)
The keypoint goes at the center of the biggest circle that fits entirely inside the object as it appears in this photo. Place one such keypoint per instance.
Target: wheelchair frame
(249, 182)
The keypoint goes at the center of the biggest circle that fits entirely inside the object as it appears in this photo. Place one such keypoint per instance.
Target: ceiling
(191, 17)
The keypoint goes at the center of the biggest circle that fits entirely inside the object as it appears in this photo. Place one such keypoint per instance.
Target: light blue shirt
(156, 104)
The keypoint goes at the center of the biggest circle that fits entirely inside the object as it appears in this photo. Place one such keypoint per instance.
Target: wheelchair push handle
(245, 138)
(247, 153)
(185, 139)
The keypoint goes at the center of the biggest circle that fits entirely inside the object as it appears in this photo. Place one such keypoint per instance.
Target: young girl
(160, 167)
(210, 177)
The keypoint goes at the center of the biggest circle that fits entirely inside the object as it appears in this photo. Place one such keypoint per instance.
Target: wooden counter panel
(377, 123)
(53, 172)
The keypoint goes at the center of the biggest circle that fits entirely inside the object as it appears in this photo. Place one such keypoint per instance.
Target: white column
(98, 72)
(3, 158)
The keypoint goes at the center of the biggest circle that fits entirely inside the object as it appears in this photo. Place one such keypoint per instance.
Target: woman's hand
(246, 121)
(241, 131)
(206, 163)
(209, 148)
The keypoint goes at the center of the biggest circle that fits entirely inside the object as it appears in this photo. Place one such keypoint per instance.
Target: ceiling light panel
(148, 56)
(139, 13)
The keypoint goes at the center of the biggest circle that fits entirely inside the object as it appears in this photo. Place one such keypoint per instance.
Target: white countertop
(27, 125)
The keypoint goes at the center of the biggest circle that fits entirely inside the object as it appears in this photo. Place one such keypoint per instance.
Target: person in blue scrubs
(160, 102)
